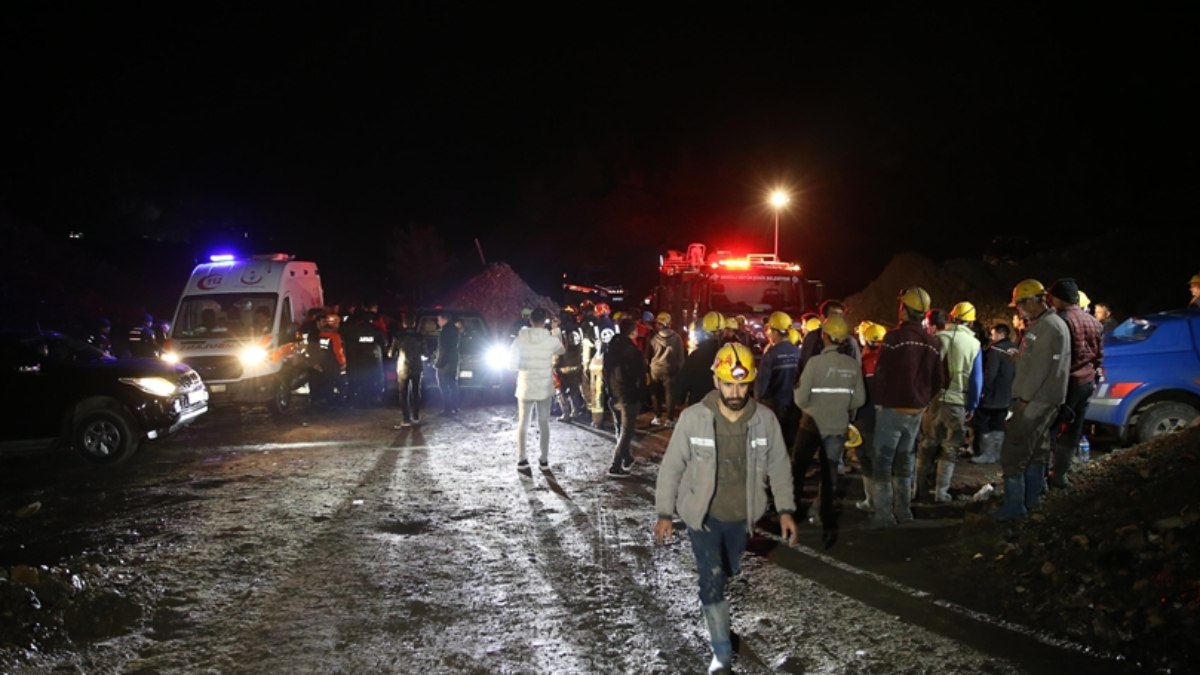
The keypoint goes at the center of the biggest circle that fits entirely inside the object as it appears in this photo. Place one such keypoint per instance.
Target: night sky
(598, 136)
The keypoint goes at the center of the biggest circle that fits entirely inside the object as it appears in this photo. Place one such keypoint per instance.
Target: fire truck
(695, 282)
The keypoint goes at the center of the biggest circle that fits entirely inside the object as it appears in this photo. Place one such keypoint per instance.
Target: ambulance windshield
(234, 315)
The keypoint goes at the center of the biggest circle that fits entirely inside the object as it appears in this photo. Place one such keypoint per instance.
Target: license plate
(197, 396)
(216, 388)
(466, 374)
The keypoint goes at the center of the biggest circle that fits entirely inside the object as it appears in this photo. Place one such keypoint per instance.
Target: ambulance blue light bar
(221, 257)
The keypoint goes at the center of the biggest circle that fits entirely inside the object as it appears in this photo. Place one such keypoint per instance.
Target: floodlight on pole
(779, 199)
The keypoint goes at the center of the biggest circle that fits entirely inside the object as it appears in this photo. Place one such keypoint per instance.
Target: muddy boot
(1063, 454)
(989, 446)
(717, 617)
(923, 473)
(945, 472)
(866, 504)
(1014, 500)
(1035, 486)
(901, 500)
(881, 496)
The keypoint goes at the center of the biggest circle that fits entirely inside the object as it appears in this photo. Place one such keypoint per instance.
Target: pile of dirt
(1112, 562)
(499, 294)
(985, 284)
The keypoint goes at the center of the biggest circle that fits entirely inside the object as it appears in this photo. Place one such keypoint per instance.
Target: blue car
(1151, 380)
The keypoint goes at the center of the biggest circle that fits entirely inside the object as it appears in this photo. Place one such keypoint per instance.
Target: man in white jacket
(532, 356)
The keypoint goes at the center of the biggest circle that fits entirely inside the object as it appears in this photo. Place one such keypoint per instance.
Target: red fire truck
(695, 282)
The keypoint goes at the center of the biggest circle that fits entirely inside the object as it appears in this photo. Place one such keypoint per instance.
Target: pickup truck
(1151, 376)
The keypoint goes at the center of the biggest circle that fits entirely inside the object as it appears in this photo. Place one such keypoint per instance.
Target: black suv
(63, 392)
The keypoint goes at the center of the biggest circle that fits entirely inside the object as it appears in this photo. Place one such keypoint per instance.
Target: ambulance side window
(287, 326)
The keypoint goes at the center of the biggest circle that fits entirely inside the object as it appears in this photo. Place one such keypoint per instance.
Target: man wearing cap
(664, 353)
(907, 376)
(1087, 356)
(831, 388)
(944, 425)
(714, 476)
(1039, 389)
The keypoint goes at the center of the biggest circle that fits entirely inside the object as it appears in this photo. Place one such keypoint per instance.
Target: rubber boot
(881, 495)
(1014, 500)
(717, 617)
(923, 473)
(1035, 485)
(902, 500)
(866, 504)
(989, 445)
(1063, 454)
(945, 473)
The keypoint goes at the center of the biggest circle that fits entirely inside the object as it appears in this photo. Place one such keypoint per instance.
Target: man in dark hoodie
(665, 353)
(907, 376)
(625, 380)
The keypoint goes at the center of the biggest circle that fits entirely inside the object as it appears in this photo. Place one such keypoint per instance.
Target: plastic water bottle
(1085, 449)
(983, 494)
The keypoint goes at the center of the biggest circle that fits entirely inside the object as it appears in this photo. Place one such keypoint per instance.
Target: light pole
(779, 199)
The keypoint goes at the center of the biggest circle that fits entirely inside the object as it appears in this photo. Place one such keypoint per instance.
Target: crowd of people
(902, 403)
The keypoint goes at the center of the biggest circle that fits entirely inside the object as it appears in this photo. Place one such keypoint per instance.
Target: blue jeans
(718, 549)
(895, 437)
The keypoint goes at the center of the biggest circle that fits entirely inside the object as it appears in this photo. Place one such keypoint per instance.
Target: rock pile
(499, 294)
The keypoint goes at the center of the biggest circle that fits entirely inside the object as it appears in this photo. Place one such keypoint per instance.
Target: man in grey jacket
(532, 356)
(1039, 388)
(712, 478)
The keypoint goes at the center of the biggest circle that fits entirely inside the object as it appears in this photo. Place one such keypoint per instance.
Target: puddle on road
(405, 527)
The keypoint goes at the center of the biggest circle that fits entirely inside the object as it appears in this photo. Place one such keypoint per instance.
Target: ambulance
(237, 325)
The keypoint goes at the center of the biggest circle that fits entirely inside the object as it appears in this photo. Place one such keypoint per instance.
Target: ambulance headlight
(496, 357)
(171, 357)
(253, 356)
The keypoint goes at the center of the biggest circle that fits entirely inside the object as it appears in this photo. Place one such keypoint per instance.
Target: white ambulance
(237, 325)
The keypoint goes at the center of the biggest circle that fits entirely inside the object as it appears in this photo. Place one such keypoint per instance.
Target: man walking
(1039, 389)
(410, 348)
(532, 356)
(625, 380)
(711, 478)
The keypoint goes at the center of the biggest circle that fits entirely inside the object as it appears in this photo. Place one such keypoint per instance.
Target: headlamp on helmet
(734, 363)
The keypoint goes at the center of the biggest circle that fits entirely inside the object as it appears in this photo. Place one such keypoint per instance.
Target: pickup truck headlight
(496, 357)
(170, 357)
(152, 385)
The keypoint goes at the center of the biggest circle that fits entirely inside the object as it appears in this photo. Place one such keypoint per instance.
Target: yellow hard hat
(780, 321)
(862, 327)
(812, 323)
(664, 318)
(1084, 300)
(712, 322)
(1195, 279)
(963, 311)
(731, 323)
(1029, 288)
(734, 363)
(853, 437)
(793, 335)
(875, 333)
(741, 320)
(836, 328)
(617, 316)
(916, 298)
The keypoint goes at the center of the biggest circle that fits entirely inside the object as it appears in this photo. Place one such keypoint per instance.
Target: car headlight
(496, 357)
(252, 356)
(152, 385)
(170, 357)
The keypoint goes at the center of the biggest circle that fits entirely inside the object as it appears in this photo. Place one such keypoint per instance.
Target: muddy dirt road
(331, 542)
